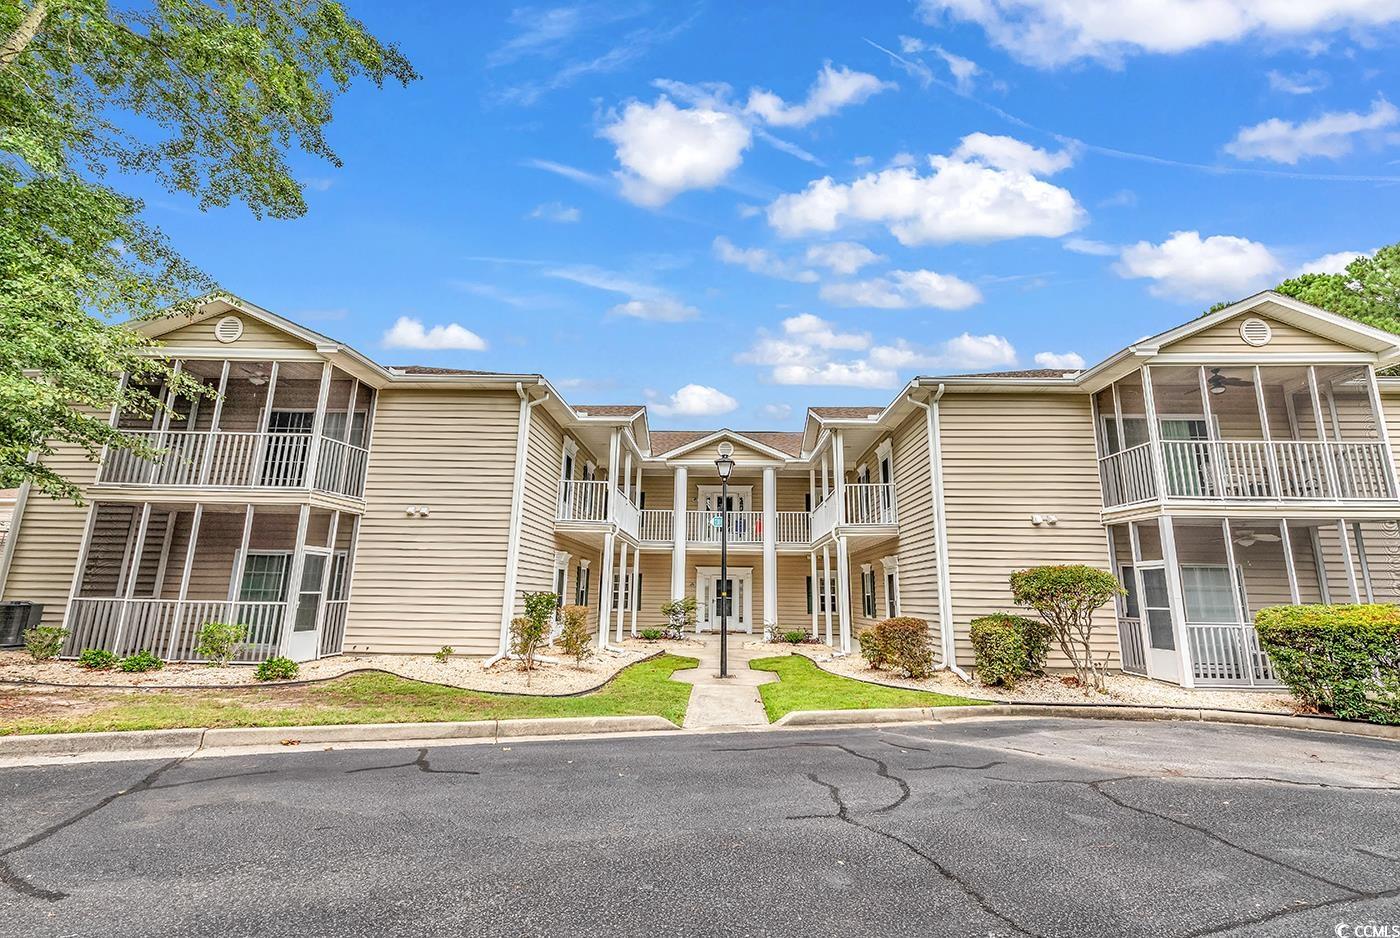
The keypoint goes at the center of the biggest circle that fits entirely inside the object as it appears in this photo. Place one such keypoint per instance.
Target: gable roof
(609, 410)
(1036, 373)
(845, 413)
(674, 442)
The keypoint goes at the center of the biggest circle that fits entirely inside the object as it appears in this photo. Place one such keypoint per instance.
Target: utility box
(15, 617)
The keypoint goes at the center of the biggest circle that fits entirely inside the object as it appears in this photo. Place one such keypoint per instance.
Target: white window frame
(561, 565)
(743, 493)
(867, 590)
(286, 574)
(891, 568)
(568, 459)
(581, 583)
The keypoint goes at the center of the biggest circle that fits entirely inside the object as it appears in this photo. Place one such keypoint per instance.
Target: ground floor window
(581, 586)
(867, 590)
(633, 597)
(891, 596)
(828, 598)
(264, 577)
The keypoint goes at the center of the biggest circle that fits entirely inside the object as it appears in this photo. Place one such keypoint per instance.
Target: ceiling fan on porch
(1250, 538)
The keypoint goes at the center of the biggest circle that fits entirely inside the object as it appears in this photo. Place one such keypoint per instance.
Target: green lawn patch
(643, 689)
(801, 685)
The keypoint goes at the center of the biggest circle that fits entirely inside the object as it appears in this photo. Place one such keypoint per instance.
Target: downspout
(517, 508)
(7, 552)
(940, 532)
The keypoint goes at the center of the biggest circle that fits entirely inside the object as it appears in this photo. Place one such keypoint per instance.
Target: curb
(197, 740)
(818, 718)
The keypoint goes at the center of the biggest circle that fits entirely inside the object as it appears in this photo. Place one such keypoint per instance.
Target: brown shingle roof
(1027, 373)
(608, 410)
(431, 370)
(664, 441)
(845, 413)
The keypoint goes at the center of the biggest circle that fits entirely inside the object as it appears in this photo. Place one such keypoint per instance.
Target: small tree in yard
(577, 638)
(1066, 597)
(680, 615)
(529, 631)
(220, 642)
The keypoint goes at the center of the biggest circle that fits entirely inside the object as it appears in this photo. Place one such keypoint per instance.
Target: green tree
(210, 98)
(1367, 291)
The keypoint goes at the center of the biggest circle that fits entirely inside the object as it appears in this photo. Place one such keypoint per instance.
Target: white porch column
(605, 591)
(318, 426)
(838, 470)
(827, 599)
(843, 591)
(816, 592)
(627, 475)
(621, 586)
(678, 533)
(1176, 599)
(636, 588)
(825, 476)
(770, 551)
(294, 578)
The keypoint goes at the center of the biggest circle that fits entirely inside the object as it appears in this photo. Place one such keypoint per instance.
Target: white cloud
(1186, 265)
(408, 332)
(665, 150)
(776, 411)
(1333, 135)
(693, 400)
(656, 309)
(834, 89)
(1055, 32)
(809, 350)
(1070, 361)
(556, 212)
(905, 289)
(1334, 263)
(644, 300)
(963, 70)
(759, 261)
(842, 257)
(987, 193)
(1090, 247)
(1298, 82)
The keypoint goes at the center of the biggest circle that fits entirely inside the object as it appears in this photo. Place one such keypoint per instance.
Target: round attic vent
(1256, 332)
(228, 329)
(725, 449)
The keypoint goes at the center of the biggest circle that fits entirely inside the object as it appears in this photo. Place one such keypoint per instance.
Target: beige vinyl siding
(422, 583)
(48, 539)
(741, 454)
(538, 544)
(1005, 458)
(256, 334)
(1224, 338)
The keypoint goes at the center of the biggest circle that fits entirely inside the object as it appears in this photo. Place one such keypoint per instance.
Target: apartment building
(333, 504)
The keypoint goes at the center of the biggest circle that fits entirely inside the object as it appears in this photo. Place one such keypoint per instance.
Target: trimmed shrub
(794, 636)
(1009, 647)
(680, 615)
(97, 659)
(1342, 659)
(528, 632)
(1066, 597)
(1000, 649)
(576, 638)
(872, 648)
(443, 653)
(906, 644)
(44, 641)
(276, 669)
(142, 660)
(220, 642)
(653, 635)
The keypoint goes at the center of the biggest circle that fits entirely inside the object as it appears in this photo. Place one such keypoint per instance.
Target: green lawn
(644, 688)
(801, 685)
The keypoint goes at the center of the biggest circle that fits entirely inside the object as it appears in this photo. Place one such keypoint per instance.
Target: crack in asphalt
(421, 763)
(212, 778)
(19, 884)
(1277, 914)
(881, 769)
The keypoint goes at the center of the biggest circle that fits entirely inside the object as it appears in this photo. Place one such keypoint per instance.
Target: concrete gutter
(233, 738)
(1316, 724)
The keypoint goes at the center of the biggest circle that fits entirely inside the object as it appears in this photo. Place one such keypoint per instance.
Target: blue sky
(733, 210)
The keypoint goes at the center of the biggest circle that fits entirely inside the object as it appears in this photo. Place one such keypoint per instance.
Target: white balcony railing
(1228, 654)
(1132, 646)
(170, 628)
(794, 527)
(657, 525)
(597, 501)
(825, 516)
(228, 459)
(869, 503)
(745, 528)
(1248, 470)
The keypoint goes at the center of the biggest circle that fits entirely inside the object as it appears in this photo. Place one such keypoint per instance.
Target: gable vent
(230, 328)
(1256, 332)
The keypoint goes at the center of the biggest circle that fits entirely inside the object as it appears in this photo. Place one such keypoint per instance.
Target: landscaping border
(262, 685)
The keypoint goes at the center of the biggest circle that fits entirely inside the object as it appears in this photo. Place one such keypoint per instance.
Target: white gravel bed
(1122, 689)
(458, 671)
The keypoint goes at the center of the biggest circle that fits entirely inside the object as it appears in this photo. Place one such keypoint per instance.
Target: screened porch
(1194, 585)
(1271, 433)
(151, 575)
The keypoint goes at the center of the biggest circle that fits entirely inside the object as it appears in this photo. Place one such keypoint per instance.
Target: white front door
(708, 591)
(307, 599)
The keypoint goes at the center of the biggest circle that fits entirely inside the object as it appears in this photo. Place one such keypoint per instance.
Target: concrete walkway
(733, 701)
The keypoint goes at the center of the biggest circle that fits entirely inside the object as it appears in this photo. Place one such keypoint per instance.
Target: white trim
(701, 491)
(738, 574)
(723, 434)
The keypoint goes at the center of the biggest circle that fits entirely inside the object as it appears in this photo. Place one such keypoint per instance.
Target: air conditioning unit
(15, 617)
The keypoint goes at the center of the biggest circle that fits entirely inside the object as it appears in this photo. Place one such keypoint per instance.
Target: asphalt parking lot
(988, 827)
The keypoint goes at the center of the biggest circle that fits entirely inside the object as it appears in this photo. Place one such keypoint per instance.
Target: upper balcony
(274, 427)
(1243, 435)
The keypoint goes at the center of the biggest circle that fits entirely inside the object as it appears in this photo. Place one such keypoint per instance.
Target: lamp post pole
(725, 466)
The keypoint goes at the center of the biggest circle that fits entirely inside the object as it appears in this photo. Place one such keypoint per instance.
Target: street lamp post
(724, 465)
